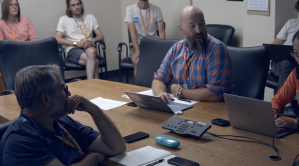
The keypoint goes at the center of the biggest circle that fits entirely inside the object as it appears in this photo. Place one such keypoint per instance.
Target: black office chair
(223, 33)
(126, 63)
(249, 70)
(152, 53)
(68, 65)
(16, 55)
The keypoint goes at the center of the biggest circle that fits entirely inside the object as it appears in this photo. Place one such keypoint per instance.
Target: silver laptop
(252, 115)
(156, 103)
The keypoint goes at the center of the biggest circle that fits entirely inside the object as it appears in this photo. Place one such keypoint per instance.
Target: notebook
(252, 115)
(143, 156)
(156, 103)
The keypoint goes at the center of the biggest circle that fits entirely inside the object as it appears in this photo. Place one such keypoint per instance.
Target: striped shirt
(210, 69)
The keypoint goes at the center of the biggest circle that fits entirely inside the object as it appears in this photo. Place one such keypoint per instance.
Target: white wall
(45, 14)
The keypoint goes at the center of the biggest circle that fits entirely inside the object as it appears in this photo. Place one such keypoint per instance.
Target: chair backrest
(16, 55)
(4, 126)
(130, 40)
(223, 33)
(152, 53)
(249, 70)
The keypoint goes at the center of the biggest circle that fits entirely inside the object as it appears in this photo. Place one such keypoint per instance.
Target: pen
(156, 162)
(185, 100)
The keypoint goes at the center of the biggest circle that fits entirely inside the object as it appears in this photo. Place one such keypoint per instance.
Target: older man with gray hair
(44, 135)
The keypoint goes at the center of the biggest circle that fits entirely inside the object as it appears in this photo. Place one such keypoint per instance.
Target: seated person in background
(282, 69)
(143, 19)
(45, 135)
(75, 31)
(288, 91)
(200, 63)
(13, 26)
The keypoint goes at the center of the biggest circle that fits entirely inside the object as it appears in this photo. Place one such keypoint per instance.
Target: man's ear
(181, 29)
(45, 99)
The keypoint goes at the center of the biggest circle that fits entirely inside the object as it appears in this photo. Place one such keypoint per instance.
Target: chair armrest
(119, 49)
(8, 92)
(102, 43)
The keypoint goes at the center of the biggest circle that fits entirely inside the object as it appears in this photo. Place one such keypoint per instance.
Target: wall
(45, 16)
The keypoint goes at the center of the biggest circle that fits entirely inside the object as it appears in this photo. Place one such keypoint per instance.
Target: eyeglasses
(11, 5)
(294, 54)
(64, 87)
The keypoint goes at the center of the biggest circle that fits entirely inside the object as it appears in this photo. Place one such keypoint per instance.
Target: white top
(71, 31)
(133, 15)
(288, 30)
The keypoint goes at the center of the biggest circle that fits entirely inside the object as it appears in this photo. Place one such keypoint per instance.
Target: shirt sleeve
(95, 23)
(32, 32)
(164, 73)
(286, 93)
(283, 33)
(21, 148)
(219, 70)
(129, 14)
(60, 27)
(86, 134)
(159, 14)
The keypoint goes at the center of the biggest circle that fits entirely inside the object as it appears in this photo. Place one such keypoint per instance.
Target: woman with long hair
(13, 26)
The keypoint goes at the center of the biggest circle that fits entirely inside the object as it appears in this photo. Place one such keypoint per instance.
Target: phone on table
(181, 162)
(135, 137)
(220, 122)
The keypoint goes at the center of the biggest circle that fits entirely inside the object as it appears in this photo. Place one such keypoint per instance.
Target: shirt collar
(41, 130)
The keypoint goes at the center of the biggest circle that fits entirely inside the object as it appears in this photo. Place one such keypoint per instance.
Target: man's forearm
(158, 87)
(64, 42)
(109, 133)
(201, 94)
(162, 35)
(91, 159)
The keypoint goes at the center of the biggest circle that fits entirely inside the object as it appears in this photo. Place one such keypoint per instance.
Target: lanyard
(148, 19)
(62, 139)
(187, 64)
(84, 32)
(13, 35)
(68, 142)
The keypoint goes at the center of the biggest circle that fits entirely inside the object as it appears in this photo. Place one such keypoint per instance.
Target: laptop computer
(156, 103)
(279, 52)
(252, 115)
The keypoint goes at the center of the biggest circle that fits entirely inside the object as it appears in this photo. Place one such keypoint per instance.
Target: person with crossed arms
(75, 32)
(200, 63)
(143, 19)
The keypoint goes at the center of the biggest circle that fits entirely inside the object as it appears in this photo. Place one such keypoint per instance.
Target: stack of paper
(107, 104)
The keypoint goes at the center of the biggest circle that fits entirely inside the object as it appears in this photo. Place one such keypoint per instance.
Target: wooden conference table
(208, 150)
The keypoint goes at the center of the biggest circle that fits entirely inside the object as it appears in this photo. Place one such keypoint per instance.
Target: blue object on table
(167, 141)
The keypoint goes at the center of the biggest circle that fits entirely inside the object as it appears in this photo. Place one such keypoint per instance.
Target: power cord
(295, 163)
(274, 158)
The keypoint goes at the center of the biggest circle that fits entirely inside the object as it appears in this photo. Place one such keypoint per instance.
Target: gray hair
(32, 81)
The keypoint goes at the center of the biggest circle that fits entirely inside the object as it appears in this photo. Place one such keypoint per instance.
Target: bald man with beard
(200, 63)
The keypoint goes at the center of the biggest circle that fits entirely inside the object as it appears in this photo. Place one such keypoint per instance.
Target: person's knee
(91, 52)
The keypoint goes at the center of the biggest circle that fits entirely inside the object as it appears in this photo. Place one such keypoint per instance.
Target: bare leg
(135, 66)
(89, 60)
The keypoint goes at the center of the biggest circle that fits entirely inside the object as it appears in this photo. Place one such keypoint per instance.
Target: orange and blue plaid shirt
(210, 69)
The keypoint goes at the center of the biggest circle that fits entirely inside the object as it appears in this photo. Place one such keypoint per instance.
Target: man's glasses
(64, 87)
(16, 5)
(294, 54)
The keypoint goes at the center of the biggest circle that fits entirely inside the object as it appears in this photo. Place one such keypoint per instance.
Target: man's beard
(58, 111)
(198, 46)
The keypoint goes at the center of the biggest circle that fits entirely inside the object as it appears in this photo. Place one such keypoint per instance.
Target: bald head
(190, 11)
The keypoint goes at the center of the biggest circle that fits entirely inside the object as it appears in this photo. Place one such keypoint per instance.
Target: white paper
(107, 104)
(145, 155)
(176, 100)
(259, 5)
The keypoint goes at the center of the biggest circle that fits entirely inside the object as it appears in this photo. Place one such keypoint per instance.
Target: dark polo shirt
(26, 142)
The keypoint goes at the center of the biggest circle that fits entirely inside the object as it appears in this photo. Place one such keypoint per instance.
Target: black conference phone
(186, 127)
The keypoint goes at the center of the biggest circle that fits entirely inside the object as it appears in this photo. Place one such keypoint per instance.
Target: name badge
(136, 20)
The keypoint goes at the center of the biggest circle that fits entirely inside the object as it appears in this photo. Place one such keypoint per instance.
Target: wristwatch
(75, 43)
(179, 93)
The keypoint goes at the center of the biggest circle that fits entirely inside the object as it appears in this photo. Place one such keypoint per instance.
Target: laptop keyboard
(175, 108)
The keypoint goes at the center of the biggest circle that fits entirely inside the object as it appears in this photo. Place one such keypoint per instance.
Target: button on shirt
(210, 69)
(32, 144)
